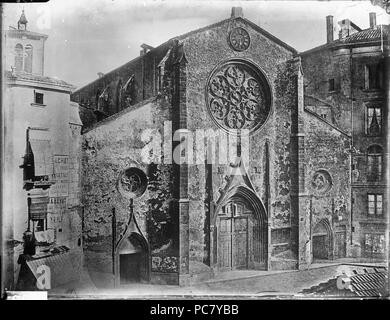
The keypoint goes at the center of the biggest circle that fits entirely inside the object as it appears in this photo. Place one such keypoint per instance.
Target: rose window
(132, 183)
(321, 181)
(238, 96)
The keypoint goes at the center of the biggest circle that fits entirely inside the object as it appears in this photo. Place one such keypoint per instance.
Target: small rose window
(321, 181)
(132, 183)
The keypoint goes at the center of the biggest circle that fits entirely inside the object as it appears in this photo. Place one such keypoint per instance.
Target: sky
(91, 36)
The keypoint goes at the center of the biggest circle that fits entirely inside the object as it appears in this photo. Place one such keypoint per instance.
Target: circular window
(238, 96)
(321, 181)
(239, 39)
(132, 183)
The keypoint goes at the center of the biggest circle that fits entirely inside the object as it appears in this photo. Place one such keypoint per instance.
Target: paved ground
(244, 284)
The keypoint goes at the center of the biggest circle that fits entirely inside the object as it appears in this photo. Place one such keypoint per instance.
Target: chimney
(372, 20)
(345, 28)
(329, 29)
(237, 12)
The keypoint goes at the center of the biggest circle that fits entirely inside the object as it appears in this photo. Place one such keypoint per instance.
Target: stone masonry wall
(205, 51)
(112, 146)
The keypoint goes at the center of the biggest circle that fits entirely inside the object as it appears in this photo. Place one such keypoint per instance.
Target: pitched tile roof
(366, 282)
(381, 31)
(367, 35)
(370, 284)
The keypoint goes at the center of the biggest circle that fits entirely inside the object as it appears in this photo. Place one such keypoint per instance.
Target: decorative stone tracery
(321, 181)
(132, 183)
(238, 96)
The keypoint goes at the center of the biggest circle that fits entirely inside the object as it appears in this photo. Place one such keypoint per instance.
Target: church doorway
(241, 236)
(133, 260)
(322, 240)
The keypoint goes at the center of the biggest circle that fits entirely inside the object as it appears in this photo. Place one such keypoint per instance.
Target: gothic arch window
(374, 120)
(28, 56)
(374, 163)
(18, 57)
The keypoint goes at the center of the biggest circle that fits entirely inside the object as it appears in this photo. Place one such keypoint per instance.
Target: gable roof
(253, 25)
(167, 44)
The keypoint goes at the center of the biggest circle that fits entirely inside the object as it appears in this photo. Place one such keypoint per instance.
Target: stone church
(149, 218)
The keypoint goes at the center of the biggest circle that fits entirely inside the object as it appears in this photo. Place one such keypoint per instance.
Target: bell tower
(22, 23)
(25, 48)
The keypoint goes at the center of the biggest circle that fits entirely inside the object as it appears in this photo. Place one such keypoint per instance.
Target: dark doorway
(130, 268)
(322, 241)
(133, 260)
(320, 250)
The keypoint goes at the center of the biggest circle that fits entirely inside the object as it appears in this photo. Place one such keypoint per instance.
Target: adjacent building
(41, 168)
(346, 83)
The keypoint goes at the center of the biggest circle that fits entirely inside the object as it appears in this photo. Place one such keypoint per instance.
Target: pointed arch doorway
(132, 260)
(240, 233)
(322, 240)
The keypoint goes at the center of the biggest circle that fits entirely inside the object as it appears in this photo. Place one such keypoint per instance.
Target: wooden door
(240, 243)
(225, 244)
(320, 247)
(242, 237)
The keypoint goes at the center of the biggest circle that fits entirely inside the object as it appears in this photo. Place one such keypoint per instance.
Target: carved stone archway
(322, 240)
(132, 257)
(239, 232)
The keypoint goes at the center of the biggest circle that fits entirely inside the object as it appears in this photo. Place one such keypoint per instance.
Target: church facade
(200, 156)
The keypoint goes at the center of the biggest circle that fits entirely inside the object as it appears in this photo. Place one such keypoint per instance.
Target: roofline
(118, 114)
(27, 32)
(328, 123)
(319, 100)
(269, 35)
(337, 44)
(180, 37)
(15, 80)
(187, 34)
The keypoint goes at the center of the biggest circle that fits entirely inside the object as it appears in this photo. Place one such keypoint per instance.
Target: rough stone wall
(328, 150)
(109, 148)
(321, 66)
(204, 51)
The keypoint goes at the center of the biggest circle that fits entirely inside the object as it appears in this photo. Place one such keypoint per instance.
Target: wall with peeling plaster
(109, 148)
